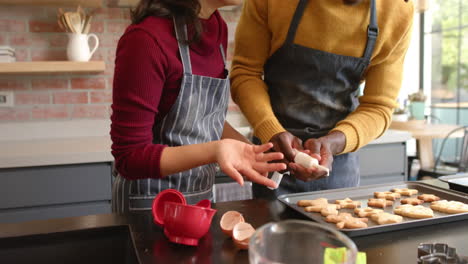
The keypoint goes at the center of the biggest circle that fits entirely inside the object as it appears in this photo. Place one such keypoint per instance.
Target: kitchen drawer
(383, 160)
(56, 211)
(49, 185)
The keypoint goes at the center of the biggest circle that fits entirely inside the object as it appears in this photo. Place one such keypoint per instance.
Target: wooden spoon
(68, 22)
(87, 24)
(82, 14)
(73, 21)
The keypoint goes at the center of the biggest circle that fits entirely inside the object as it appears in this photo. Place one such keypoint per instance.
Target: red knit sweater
(147, 78)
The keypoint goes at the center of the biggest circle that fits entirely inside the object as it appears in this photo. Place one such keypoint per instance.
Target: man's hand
(325, 147)
(286, 142)
(322, 149)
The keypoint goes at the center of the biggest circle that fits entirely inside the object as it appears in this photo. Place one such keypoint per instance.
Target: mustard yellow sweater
(331, 26)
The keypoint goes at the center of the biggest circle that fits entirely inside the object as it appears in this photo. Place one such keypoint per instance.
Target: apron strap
(182, 36)
(372, 29)
(295, 21)
(221, 48)
(372, 32)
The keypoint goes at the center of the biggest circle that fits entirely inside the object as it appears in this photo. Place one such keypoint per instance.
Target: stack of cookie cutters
(438, 253)
(183, 223)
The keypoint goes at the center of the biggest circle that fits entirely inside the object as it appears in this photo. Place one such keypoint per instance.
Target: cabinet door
(382, 163)
(54, 185)
(54, 211)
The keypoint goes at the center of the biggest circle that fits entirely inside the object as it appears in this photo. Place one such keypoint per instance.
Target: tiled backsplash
(34, 33)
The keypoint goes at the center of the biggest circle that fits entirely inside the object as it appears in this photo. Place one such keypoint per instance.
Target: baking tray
(458, 182)
(97, 245)
(363, 193)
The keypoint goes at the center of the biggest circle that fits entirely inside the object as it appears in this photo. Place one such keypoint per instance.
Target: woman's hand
(238, 159)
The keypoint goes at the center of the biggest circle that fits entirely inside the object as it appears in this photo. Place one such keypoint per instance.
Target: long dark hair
(186, 11)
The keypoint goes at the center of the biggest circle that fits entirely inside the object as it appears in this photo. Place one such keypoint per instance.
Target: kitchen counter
(83, 141)
(153, 247)
(392, 136)
(57, 151)
(54, 143)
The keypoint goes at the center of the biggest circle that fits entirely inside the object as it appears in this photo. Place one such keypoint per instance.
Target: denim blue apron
(197, 116)
(310, 92)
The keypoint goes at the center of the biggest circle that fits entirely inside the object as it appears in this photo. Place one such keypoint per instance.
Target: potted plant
(417, 105)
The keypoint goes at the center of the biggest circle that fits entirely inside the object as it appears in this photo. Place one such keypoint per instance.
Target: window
(446, 41)
(446, 64)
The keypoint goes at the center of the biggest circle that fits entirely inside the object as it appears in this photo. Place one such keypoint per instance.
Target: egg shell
(241, 234)
(229, 220)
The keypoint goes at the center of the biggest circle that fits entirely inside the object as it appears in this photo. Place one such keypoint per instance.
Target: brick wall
(34, 33)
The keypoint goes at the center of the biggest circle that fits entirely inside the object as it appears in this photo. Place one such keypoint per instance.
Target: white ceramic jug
(78, 46)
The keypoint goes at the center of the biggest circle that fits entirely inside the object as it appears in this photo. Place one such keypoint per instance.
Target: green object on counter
(338, 256)
(417, 110)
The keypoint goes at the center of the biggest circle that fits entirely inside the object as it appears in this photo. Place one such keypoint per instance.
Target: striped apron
(197, 116)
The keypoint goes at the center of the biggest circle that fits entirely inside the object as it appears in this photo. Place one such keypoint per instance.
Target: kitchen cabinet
(382, 163)
(44, 192)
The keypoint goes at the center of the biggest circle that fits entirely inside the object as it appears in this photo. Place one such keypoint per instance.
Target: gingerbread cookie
(387, 195)
(330, 209)
(304, 203)
(366, 212)
(381, 203)
(450, 207)
(325, 209)
(384, 218)
(413, 201)
(414, 211)
(405, 191)
(348, 203)
(346, 220)
(428, 198)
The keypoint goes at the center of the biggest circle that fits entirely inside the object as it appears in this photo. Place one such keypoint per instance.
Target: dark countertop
(215, 247)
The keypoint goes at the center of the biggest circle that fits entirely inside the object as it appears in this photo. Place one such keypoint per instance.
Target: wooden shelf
(60, 3)
(51, 67)
(126, 3)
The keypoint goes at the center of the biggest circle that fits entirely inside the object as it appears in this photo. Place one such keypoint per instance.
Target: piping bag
(305, 161)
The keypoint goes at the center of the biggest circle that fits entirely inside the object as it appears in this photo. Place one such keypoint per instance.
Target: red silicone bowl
(186, 224)
(169, 195)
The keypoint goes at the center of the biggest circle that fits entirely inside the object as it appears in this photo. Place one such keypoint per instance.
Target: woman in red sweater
(170, 98)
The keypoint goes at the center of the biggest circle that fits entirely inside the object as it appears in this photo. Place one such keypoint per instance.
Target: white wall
(410, 82)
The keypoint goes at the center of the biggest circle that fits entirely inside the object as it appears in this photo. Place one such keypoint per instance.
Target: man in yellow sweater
(296, 73)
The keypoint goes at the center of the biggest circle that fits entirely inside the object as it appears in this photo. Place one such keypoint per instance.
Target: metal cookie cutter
(438, 253)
